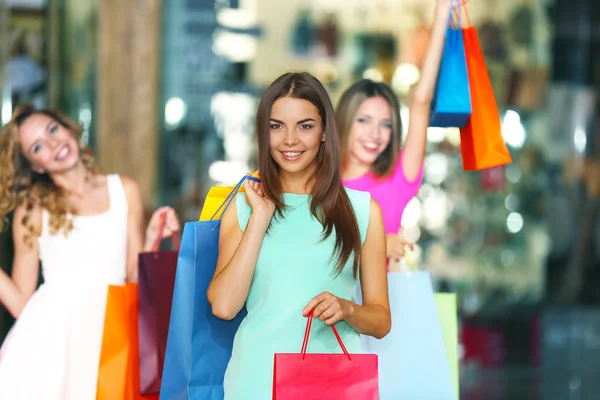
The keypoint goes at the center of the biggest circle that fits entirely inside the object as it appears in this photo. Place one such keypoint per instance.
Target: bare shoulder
(130, 185)
(132, 190)
(375, 211)
(229, 217)
(376, 230)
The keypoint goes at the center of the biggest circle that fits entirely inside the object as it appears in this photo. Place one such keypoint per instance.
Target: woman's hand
(171, 226)
(329, 308)
(396, 246)
(263, 207)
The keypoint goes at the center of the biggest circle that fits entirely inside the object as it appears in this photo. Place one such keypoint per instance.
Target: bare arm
(416, 138)
(238, 253)
(373, 317)
(16, 291)
(138, 240)
(135, 226)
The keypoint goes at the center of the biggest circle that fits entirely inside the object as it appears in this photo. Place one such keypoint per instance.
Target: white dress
(53, 350)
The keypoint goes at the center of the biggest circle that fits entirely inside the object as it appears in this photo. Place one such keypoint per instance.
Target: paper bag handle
(307, 335)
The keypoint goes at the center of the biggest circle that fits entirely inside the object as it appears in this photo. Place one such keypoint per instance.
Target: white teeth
(292, 154)
(62, 154)
(372, 146)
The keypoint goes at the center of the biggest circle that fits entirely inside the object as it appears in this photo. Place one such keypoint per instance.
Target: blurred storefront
(475, 231)
(23, 77)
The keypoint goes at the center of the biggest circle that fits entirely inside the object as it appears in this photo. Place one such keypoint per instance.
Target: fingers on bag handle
(229, 199)
(161, 228)
(307, 336)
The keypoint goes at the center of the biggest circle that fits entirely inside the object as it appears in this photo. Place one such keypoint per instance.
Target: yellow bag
(215, 197)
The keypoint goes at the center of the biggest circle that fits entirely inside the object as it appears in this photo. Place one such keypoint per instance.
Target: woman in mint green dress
(297, 242)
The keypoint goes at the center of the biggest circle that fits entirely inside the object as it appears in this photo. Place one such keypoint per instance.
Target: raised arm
(238, 253)
(16, 291)
(420, 104)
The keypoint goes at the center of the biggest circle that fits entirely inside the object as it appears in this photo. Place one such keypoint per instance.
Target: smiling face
(49, 146)
(371, 130)
(295, 136)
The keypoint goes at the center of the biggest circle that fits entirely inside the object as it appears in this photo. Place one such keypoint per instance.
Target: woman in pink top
(368, 117)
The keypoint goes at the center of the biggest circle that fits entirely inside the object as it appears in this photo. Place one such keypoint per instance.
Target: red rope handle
(161, 228)
(307, 336)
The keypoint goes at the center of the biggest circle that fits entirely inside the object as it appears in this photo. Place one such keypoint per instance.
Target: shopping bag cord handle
(229, 199)
(409, 261)
(307, 335)
(161, 228)
(455, 8)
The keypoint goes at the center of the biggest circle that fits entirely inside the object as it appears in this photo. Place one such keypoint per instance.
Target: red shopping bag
(481, 142)
(309, 376)
(155, 294)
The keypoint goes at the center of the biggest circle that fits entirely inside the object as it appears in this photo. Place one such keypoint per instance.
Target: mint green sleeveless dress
(294, 265)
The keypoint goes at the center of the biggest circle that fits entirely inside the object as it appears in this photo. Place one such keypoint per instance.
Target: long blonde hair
(21, 186)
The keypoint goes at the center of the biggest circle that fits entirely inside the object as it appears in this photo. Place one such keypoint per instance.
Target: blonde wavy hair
(21, 186)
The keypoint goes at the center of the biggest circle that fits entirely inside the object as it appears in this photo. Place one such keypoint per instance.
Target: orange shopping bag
(119, 373)
(481, 142)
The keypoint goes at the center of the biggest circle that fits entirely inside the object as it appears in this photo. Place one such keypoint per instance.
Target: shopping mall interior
(167, 93)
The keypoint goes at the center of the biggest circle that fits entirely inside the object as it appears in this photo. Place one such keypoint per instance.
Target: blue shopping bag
(413, 362)
(199, 344)
(451, 105)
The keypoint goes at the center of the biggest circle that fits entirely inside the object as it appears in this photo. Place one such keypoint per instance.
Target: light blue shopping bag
(413, 362)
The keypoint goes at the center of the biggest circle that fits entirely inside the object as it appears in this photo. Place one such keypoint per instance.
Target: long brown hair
(20, 185)
(346, 115)
(330, 204)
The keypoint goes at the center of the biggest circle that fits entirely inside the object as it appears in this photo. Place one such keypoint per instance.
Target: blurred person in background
(86, 228)
(368, 117)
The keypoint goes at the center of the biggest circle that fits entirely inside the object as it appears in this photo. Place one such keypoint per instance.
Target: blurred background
(167, 92)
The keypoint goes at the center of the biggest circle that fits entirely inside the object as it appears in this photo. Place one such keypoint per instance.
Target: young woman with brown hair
(297, 242)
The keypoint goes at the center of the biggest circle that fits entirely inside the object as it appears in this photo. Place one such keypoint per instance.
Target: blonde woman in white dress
(86, 229)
